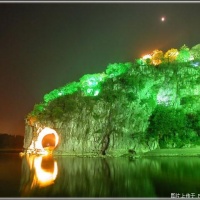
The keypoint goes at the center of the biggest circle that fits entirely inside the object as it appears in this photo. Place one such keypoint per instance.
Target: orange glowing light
(156, 62)
(43, 177)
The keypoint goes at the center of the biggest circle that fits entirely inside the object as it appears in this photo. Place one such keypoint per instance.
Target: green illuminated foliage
(140, 61)
(51, 96)
(164, 96)
(67, 89)
(184, 54)
(195, 52)
(91, 84)
(92, 80)
(129, 98)
(190, 102)
(193, 121)
(167, 123)
(38, 109)
(116, 69)
(70, 88)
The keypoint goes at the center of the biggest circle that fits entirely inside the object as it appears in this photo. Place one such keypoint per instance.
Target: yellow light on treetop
(147, 56)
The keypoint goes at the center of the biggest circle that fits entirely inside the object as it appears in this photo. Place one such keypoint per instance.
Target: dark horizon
(45, 45)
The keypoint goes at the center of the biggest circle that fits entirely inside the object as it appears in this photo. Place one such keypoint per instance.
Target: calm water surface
(45, 176)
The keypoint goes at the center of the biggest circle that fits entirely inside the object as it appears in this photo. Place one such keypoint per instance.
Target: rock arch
(46, 131)
(38, 144)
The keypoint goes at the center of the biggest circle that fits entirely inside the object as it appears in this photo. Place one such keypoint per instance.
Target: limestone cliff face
(98, 128)
(112, 123)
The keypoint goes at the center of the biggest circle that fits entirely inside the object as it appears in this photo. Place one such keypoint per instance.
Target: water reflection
(46, 170)
(108, 177)
(37, 172)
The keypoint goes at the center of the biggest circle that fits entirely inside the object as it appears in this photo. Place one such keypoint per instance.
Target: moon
(162, 19)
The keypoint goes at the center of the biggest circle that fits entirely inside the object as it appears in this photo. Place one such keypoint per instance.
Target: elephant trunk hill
(132, 107)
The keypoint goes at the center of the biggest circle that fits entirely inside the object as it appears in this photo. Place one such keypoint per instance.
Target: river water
(61, 176)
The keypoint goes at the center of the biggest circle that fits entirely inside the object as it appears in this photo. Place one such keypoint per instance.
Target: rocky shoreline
(175, 152)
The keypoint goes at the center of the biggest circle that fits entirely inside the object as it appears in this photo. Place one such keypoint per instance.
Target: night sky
(43, 46)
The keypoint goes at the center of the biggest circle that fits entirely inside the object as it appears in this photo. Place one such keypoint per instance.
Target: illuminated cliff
(135, 106)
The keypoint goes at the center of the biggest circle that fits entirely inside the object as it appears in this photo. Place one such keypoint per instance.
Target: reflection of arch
(37, 171)
(42, 134)
(44, 176)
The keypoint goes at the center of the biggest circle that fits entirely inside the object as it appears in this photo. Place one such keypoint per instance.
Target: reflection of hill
(89, 177)
(11, 141)
(93, 177)
(177, 175)
(115, 177)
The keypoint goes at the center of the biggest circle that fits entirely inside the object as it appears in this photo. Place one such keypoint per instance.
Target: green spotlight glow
(184, 54)
(96, 92)
(67, 89)
(89, 91)
(163, 97)
(117, 69)
(91, 83)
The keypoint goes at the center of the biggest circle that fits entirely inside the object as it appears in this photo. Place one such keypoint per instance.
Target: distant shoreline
(11, 150)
